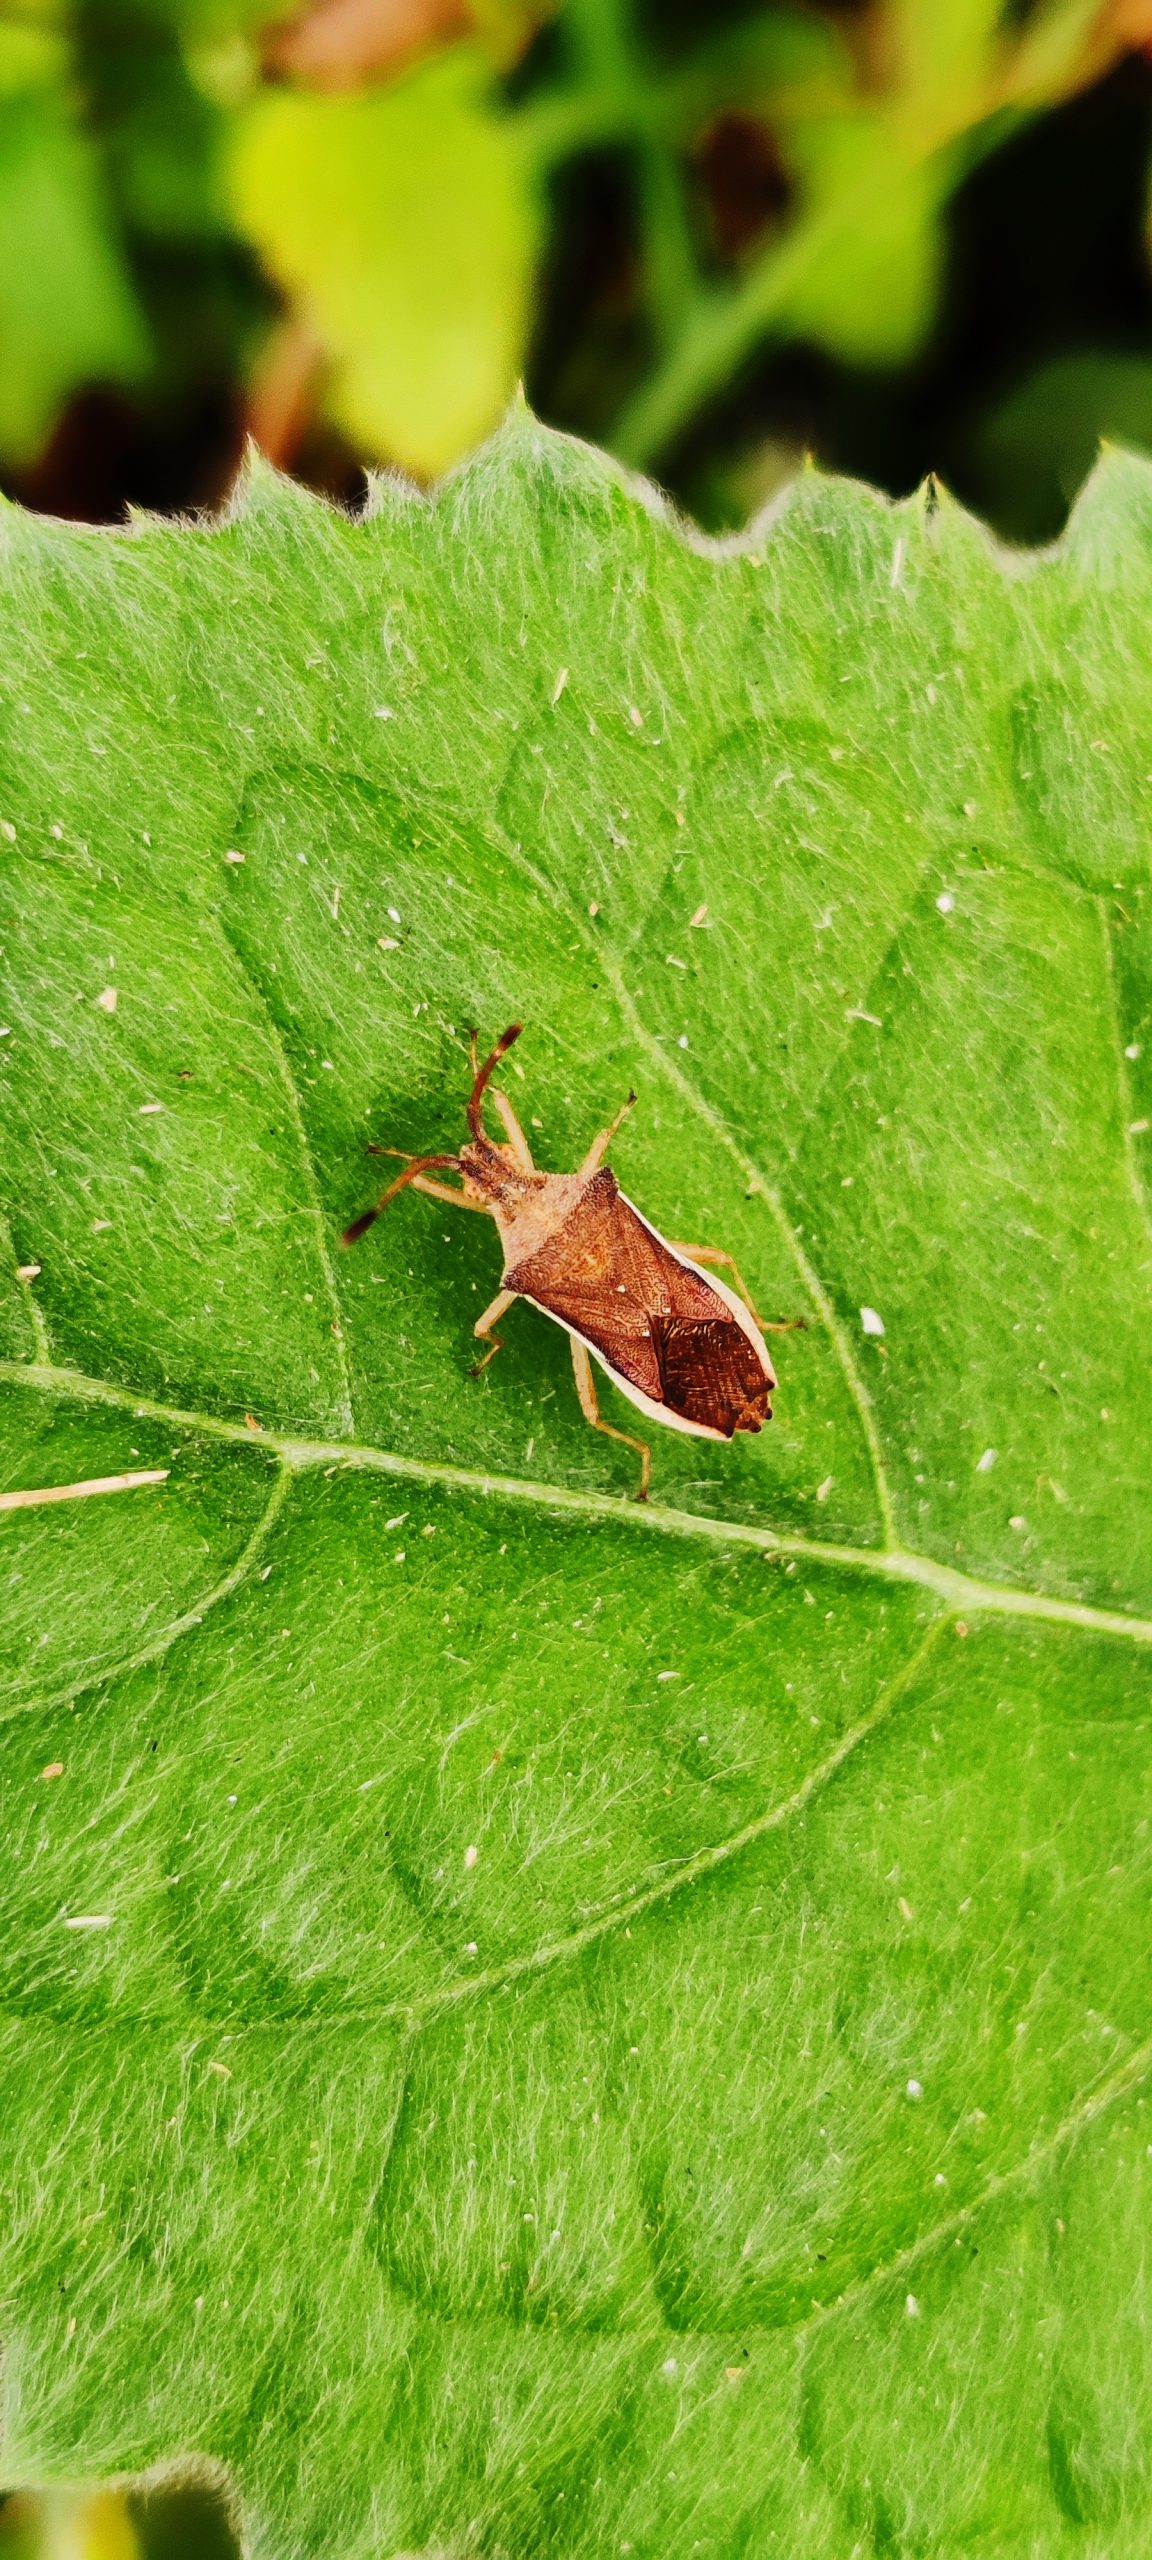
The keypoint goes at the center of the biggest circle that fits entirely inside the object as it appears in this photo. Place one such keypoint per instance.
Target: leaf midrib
(961, 1592)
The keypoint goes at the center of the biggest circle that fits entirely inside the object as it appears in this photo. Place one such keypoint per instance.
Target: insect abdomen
(710, 1373)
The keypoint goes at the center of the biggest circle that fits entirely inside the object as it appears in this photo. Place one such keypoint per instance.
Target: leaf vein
(960, 1591)
(345, 1415)
(690, 1871)
(115, 1666)
(810, 1278)
(755, 1179)
(1127, 2076)
(1131, 1161)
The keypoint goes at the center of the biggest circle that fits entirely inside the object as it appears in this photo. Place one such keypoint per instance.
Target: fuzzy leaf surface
(527, 2024)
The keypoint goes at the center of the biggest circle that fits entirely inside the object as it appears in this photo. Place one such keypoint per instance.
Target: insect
(683, 1347)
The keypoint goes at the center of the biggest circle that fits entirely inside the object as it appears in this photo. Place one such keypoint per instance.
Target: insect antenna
(418, 1164)
(476, 1097)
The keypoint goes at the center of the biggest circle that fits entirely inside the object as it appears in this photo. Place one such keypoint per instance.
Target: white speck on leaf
(108, 999)
(823, 1490)
(871, 1322)
(986, 1462)
(471, 1854)
(945, 902)
(914, 2089)
(912, 2307)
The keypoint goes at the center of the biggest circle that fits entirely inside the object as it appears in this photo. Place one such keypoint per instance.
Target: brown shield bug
(683, 1347)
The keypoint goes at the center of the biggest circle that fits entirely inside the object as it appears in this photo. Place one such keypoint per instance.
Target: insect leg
(603, 1140)
(504, 1299)
(415, 1166)
(712, 1253)
(513, 1131)
(444, 1191)
(590, 1408)
(420, 1182)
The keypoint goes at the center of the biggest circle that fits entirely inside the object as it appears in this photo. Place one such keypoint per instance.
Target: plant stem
(721, 332)
(725, 327)
(615, 74)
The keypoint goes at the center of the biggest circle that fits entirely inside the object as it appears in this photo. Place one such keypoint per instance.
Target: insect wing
(669, 1335)
(600, 1274)
(712, 1376)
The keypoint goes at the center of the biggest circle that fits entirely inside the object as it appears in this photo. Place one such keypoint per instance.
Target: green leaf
(868, 253)
(403, 221)
(945, 52)
(530, 2023)
(68, 315)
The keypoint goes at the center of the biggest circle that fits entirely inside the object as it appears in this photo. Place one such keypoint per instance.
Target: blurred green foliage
(401, 219)
(707, 234)
(182, 2518)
